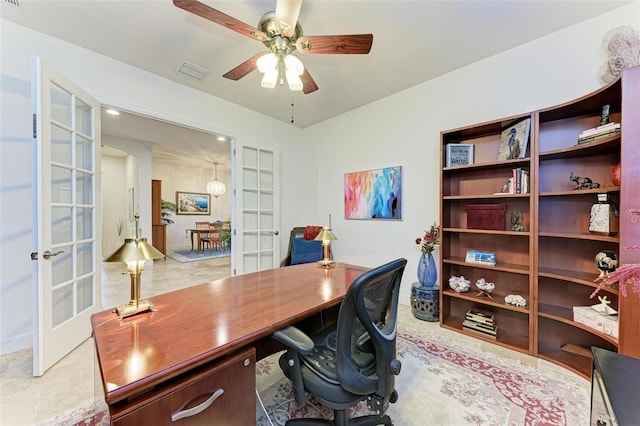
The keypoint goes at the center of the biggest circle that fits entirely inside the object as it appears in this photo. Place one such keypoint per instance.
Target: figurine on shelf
(485, 288)
(459, 284)
(603, 307)
(516, 221)
(583, 182)
(606, 261)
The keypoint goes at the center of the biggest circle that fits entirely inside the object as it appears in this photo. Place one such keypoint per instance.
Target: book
(514, 141)
(480, 314)
(480, 326)
(479, 319)
(485, 258)
(605, 128)
(479, 332)
(593, 138)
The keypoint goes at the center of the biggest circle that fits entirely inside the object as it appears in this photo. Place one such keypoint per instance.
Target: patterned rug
(186, 255)
(451, 379)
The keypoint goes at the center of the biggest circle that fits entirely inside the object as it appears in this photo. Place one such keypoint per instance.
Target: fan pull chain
(292, 105)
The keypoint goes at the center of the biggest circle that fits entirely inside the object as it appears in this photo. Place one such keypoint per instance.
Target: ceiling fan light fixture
(267, 63)
(269, 79)
(293, 65)
(294, 81)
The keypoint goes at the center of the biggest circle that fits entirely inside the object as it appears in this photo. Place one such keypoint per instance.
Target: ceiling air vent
(192, 70)
(13, 2)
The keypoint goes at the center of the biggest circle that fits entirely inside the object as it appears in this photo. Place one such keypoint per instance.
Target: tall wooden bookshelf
(551, 262)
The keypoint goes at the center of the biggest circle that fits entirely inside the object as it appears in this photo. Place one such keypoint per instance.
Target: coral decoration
(622, 45)
(627, 275)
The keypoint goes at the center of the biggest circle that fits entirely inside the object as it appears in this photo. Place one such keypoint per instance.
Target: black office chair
(355, 361)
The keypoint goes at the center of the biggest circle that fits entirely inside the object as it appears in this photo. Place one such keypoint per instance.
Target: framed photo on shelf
(193, 203)
(514, 141)
(459, 154)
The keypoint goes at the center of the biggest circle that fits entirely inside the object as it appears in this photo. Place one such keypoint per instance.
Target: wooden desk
(208, 333)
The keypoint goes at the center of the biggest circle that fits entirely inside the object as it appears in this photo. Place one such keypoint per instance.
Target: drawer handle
(198, 408)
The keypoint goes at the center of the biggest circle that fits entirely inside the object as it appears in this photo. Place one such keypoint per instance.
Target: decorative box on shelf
(607, 324)
(486, 216)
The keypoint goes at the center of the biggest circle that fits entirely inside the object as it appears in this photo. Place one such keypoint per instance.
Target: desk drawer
(220, 395)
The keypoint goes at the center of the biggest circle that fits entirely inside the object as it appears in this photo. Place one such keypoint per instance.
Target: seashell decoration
(459, 284)
(485, 288)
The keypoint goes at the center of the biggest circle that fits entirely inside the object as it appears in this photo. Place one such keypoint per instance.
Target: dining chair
(202, 229)
(214, 236)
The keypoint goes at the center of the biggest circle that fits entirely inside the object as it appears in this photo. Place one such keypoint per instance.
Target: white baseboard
(15, 344)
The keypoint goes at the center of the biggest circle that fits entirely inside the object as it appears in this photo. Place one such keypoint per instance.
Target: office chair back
(366, 332)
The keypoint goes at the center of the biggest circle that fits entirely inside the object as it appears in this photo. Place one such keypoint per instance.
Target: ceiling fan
(281, 32)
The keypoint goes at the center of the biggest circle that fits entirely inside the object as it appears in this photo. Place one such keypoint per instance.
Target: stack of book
(480, 322)
(600, 132)
(481, 257)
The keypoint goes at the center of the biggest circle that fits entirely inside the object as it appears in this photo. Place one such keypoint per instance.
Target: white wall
(119, 85)
(404, 130)
(114, 202)
(190, 179)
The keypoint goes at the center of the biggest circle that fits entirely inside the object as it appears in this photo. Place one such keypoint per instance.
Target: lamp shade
(133, 250)
(215, 187)
(325, 235)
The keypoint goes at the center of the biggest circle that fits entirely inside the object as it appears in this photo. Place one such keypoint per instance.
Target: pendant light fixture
(215, 187)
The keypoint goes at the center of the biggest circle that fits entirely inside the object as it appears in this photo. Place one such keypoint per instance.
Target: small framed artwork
(514, 140)
(373, 194)
(459, 154)
(193, 203)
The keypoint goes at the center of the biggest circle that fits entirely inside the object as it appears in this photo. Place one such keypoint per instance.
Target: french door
(256, 209)
(67, 226)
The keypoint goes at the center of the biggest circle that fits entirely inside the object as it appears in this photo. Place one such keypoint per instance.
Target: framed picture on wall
(459, 154)
(373, 194)
(193, 203)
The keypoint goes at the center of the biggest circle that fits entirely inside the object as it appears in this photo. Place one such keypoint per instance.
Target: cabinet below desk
(218, 393)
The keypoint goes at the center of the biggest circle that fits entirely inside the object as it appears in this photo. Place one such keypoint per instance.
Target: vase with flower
(427, 272)
(425, 303)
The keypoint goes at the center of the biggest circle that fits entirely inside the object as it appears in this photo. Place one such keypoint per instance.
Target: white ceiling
(414, 41)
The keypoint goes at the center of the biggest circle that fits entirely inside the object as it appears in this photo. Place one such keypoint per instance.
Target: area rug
(451, 379)
(184, 256)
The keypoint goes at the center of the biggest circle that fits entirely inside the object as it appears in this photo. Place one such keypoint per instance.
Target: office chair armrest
(295, 339)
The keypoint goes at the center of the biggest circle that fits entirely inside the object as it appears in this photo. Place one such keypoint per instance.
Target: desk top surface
(197, 324)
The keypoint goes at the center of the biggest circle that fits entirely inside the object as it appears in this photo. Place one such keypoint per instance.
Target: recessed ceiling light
(221, 138)
(112, 111)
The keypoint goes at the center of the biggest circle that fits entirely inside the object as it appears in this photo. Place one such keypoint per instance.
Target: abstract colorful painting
(373, 194)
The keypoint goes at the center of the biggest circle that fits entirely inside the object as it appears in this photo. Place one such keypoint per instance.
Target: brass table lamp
(134, 252)
(326, 235)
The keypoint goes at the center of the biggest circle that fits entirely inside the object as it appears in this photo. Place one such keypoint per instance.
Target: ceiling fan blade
(244, 68)
(358, 44)
(218, 17)
(308, 85)
(287, 12)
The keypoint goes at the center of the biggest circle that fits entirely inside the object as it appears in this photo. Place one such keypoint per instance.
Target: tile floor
(71, 389)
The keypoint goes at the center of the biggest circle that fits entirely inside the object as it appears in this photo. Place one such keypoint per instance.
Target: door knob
(47, 254)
